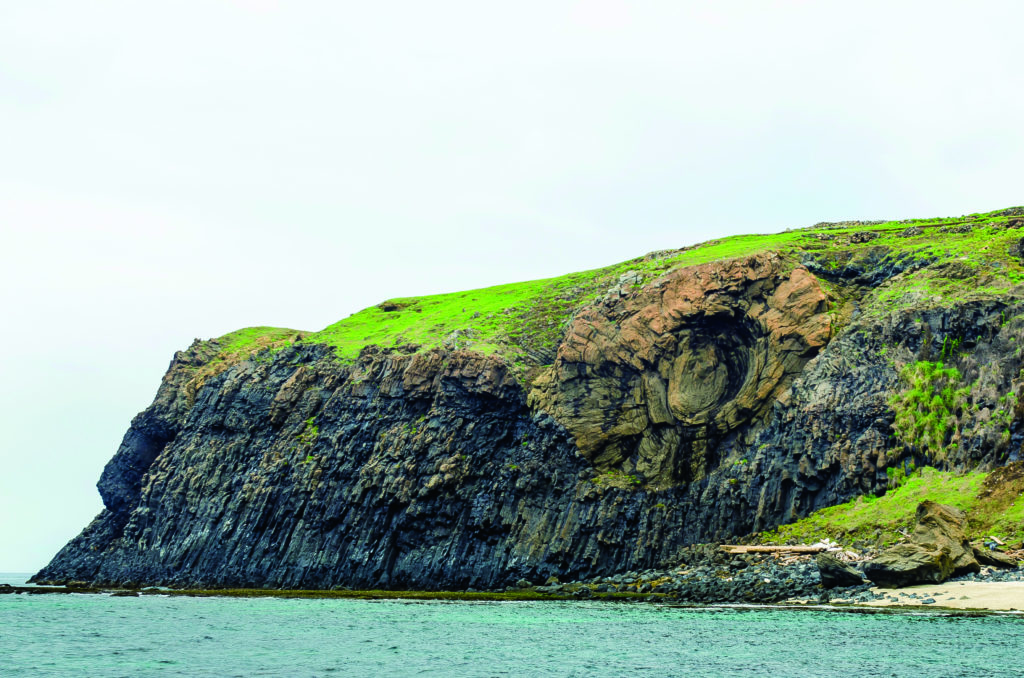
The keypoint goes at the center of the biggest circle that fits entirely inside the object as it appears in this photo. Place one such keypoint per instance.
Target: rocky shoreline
(714, 577)
(709, 576)
(938, 551)
(938, 555)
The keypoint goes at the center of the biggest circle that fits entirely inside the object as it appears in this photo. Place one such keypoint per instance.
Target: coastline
(957, 596)
(707, 576)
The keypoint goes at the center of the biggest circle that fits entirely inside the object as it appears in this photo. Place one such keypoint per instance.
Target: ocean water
(97, 635)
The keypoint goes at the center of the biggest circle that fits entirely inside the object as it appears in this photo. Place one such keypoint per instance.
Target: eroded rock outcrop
(835, 573)
(937, 550)
(648, 382)
(995, 559)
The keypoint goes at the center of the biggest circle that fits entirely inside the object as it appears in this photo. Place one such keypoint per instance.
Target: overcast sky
(182, 169)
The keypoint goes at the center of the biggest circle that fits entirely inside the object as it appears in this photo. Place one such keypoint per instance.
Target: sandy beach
(967, 595)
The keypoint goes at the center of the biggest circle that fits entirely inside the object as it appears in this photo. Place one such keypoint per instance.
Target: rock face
(835, 572)
(712, 401)
(650, 382)
(938, 549)
(907, 564)
(995, 559)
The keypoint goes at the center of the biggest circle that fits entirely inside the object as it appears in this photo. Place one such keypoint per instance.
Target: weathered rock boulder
(995, 559)
(943, 528)
(835, 572)
(862, 236)
(938, 549)
(907, 564)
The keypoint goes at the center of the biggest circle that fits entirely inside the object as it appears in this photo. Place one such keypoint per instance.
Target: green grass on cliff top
(253, 337)
(525, 321)
(240, 343)
(519, 318)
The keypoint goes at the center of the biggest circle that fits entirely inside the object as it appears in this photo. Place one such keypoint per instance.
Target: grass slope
(524, 321)
(241, 344)
(994, 503)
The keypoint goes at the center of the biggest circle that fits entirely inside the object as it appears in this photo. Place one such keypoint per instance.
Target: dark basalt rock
(865, 268)
(835, 572)
(1017, 249)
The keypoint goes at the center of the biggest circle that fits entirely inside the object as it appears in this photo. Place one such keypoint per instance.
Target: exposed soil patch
(1004, 483)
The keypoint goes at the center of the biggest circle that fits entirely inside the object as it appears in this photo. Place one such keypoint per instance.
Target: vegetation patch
(310, 432)
(618, 479)
(242, 343)
(926, 410)
(993, 507)
(251, 342)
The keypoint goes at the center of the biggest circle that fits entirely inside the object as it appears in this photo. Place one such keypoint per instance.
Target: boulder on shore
(994, 558)
(835, 572)
(938, 549)
(908, 564)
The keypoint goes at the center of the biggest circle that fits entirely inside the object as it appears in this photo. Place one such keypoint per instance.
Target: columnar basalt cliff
(658, 404)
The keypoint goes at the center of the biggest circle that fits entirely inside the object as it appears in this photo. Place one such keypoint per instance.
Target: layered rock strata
(649, 382)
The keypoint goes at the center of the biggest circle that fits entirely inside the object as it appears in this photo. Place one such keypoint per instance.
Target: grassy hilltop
(524, 321)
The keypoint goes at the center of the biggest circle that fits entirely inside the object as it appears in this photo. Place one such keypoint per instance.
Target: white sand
(968, 595)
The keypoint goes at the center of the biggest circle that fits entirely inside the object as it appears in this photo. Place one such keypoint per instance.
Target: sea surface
(97, 635)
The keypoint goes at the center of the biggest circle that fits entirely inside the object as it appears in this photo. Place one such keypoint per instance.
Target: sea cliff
(576, 427)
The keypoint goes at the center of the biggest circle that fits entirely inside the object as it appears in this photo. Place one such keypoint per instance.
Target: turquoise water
(96, 635)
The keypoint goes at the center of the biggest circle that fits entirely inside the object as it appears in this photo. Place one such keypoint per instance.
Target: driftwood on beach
(739, 548)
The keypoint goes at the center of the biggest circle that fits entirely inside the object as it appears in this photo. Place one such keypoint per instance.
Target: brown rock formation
(645, 379)
(995, 559)
(938, 549)
(943, 528)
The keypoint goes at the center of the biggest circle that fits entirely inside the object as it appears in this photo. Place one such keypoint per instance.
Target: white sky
(180, 170)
